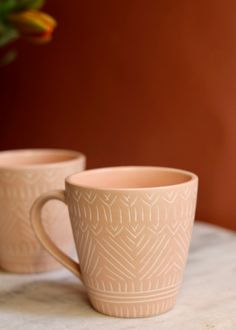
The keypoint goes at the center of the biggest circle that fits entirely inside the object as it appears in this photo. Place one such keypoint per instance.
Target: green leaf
(26, 4)
(7, 6)
(10, 6)
(37, 4)
(7, 35)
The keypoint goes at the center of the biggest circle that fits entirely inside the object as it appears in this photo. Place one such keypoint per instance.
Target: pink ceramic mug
(132, 228)
(25, 175)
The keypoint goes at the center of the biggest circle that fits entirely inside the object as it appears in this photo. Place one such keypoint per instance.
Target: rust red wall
(134, 82)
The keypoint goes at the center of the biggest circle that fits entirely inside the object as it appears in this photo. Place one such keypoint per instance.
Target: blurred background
(133, 83)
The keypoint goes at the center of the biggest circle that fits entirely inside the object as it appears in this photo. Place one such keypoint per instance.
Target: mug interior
(32, 157)
(130, 177)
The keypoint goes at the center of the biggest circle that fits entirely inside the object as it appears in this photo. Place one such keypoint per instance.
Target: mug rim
(193, 177)
(75, 157)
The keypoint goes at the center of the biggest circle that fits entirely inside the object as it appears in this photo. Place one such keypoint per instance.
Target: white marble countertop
(57, 300)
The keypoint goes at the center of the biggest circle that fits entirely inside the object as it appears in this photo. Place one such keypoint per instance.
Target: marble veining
(57, 300)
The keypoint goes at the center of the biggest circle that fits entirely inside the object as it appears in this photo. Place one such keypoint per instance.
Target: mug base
(134, 310)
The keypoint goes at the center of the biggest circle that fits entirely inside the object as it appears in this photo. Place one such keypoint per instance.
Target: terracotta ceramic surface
(132, 228)
(25, 175)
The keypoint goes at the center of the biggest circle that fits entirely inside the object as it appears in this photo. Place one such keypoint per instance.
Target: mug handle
(47, 243)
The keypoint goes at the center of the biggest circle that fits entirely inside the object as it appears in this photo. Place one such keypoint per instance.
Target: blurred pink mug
(25, 175)
(132, 228)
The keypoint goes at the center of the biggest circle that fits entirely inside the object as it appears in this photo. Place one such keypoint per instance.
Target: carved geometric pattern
(132, 245)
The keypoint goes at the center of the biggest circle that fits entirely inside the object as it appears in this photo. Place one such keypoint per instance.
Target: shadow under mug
(24, 176)
(132, 228)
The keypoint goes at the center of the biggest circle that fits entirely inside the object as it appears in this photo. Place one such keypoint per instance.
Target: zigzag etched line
(124, 253)
(112, 260)
(114, 277)
(125, 259)
(160, 258)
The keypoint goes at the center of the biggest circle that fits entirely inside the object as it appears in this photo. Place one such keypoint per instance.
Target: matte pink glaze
(132, 228)
(25, 175)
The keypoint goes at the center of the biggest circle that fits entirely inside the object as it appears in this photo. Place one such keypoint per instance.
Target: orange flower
(34, 25)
